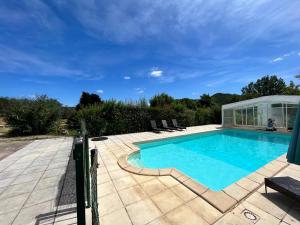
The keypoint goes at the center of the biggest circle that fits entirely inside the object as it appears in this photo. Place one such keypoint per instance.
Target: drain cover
(250, 215)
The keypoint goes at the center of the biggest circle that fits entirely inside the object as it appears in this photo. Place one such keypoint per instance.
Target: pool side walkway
(126, 198)
(33, 188)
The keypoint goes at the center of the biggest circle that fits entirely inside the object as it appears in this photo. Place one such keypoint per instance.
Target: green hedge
(117, 118)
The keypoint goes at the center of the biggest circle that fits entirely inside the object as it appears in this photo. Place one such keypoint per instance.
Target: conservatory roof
(289, 99)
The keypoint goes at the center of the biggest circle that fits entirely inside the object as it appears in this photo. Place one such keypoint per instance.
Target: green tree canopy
(292, 89)
(267, 85)
(161, 100)
(206, 100)
(88, 99)
(33, 116)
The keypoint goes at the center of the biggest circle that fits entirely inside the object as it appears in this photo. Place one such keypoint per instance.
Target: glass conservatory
(254, 113)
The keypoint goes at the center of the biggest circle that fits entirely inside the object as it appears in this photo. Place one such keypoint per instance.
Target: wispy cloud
(100, 91)
(128, 21)
(156, 73)
(30, 13)
(126, 77)
(13, 60)
(36, 81)
(277, 59)
(284, 56)
(139, 90)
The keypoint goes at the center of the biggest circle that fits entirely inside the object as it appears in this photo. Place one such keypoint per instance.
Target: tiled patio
(37, 187)
(128, 198)
(33, 188)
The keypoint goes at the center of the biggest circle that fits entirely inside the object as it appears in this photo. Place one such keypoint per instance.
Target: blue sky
(132, 49)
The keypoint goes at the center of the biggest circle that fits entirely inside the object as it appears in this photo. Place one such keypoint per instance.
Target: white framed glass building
(254, 113)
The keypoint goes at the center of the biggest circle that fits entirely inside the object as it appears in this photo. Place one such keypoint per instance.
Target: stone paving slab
(31, 183)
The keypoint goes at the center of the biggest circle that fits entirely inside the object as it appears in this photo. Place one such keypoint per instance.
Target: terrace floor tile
(153, 187)
(124, 182)
(166, 201)
(109, 203)
(143, 212)
(132, 194)
(204, 209)
(118, 217)
(184, 193)
(184, 215)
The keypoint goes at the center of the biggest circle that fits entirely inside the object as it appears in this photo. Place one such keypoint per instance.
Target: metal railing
(94, 199)
(86, 178)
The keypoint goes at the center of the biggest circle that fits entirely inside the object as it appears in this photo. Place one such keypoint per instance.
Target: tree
(292, 89)
(205, 100)
(224, 98)
(33, 116)
(188, 103)
(267, 85)
(161, 100)
(88, 99)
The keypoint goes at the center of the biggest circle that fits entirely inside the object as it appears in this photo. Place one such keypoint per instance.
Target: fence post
(94, 197)
(78, 154)
(87, 169)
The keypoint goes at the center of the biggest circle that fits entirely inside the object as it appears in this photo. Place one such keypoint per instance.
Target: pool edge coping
(223, 200)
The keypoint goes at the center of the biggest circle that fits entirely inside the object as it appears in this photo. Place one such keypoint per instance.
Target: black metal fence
(94, 193)
(86, 192)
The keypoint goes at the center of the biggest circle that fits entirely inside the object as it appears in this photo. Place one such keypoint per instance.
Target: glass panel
(238, 117)
(250, 116)
(276, 105)
(244, 116)
(292, 106)
(291, 115)
(278, 116)
(255, 114)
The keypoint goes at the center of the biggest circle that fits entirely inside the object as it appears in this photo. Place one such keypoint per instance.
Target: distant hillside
(222, 99)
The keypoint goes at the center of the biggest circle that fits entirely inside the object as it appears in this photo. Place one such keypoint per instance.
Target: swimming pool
(215, 159)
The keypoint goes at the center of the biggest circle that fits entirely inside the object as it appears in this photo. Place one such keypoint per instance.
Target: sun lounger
(175, 124)
(165, 126)
(154, 127)
(285, 185)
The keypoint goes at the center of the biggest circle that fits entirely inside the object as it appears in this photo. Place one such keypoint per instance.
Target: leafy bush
(32, 116)
(93, 117)
(161, 100)
(210, 115)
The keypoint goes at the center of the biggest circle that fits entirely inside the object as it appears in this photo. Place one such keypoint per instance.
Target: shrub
(210, 115)
(161, 100)
(93, 117)
(32, 116)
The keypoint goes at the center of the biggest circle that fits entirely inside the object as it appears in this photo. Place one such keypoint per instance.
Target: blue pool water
(215, 159)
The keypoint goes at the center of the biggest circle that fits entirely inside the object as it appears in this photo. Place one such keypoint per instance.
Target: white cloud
(156, 73)
(127, 21)
(277, 59)
(139, 90)
(127, 78)
(100, 91)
